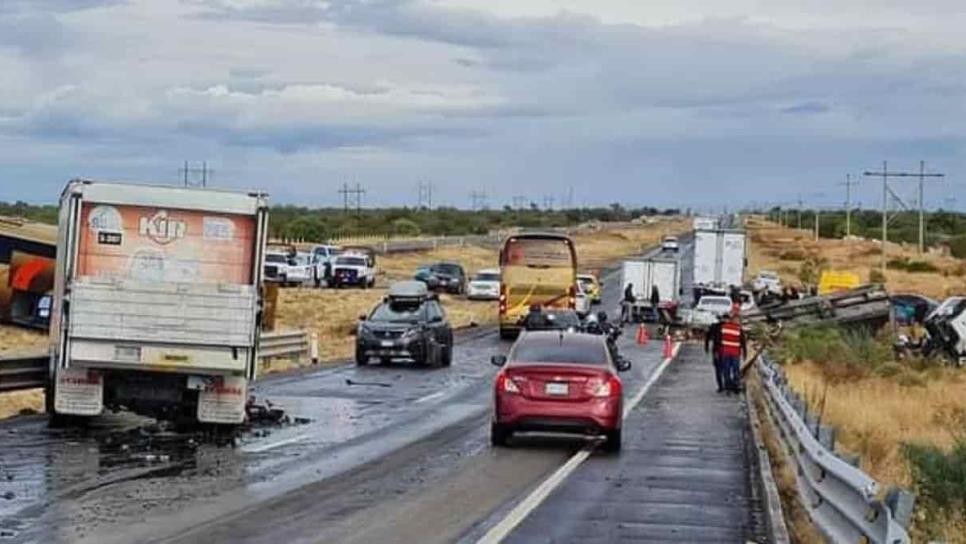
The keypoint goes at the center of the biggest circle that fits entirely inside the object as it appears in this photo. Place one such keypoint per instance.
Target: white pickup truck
(157, 301)
(353, 269)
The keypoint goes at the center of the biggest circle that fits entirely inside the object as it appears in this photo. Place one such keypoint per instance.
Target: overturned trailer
(867, 306)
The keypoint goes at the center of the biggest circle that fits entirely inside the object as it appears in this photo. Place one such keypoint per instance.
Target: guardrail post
(314, 347)
(826, 436)
(901, 502)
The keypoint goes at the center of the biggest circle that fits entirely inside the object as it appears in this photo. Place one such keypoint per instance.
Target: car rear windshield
(449, 269)
(487, 277)
(398, 312)
(351, 261)
(543, 351)
(275, 258)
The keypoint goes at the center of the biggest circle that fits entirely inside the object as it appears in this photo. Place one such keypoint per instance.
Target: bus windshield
(539, 252)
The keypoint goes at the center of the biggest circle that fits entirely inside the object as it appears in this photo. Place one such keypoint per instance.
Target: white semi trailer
(157, 301)
(719, 260)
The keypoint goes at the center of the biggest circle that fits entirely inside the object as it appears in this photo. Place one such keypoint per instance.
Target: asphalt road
(374, 454)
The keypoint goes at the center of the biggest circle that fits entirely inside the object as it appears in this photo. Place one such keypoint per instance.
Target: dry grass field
(783, 250)
(17, 339)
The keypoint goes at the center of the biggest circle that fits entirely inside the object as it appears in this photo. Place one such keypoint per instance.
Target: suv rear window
(582, 353)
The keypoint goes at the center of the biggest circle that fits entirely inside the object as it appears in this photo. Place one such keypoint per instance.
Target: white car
(300, 269)
(582, 306)
(485, 285)
(353, 269)
(766, 280)
(670, 243)
(707, 311)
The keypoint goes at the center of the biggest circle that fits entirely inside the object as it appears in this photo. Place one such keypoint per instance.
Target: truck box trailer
(157, 301)
(645, 274)
(719, 259)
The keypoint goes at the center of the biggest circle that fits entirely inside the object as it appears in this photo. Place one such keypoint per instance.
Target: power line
(353, 197)
(425, 197)
(187, 172)
(885, 174)
(478, 199)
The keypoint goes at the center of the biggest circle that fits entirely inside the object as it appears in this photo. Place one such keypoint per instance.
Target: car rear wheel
(612, 443)
(499, 435)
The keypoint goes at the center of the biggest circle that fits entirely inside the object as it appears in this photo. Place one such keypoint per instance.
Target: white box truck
(719, 260)
(645, 274)
(157, 301)
(704, 223)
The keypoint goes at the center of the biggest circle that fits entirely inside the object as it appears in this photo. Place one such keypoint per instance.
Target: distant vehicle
(946, 326)
(766, 280)
(353, 269)
(408, 324)
(554, 320)
(645, 274)
(591, 286)
(709, 309)
(425, 274)
(300, 269)
(747, 301)
(558, 382)
(276, 266)
(670, 243)
(582, 305)
(719, 260)
(323, 257)
(485, 285)
(704, 223)
(451, 277)
(157, 301)
(535, 269)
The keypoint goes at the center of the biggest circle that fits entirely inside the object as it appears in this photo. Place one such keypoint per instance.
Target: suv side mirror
(498, 360)
(623, 364)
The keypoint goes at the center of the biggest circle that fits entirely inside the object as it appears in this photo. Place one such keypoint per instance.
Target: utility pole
(848, 204)
(886, 174)
(425, 195)
(478, 199)
(799, 212)
(816, 224)
(352, 197)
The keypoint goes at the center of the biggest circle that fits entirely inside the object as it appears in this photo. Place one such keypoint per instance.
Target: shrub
(957, 246)
(844, 355)
(903, 263)
(793, 255)
(940, 480)
(876, 276)
(405, 227)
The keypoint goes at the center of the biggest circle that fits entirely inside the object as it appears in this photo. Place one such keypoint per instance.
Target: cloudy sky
(686, 102)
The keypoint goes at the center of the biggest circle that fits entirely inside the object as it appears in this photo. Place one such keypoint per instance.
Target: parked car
(766, 280)
(353, 269)
(323, 257)
(300, 269)
(670, 243)
(451, 277)
(425, 274)
(485, 285)
(276, 266)
(591, 286)
(708, 310)
(408, 324)
(558, 382)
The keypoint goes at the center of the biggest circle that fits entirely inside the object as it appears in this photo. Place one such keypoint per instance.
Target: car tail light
(503, 299)
(604, 387)
(504, 384)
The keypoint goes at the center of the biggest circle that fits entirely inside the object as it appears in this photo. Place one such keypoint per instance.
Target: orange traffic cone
(668, 347)
(642, 336)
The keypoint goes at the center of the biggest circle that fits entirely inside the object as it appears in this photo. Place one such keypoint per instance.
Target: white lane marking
(430, 397)
(273, 445)
(520, 512)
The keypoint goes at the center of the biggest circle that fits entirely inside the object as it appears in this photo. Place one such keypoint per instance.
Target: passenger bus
(535, 269)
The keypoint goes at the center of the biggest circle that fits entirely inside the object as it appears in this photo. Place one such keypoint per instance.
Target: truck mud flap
(79, 391)
(223, 401)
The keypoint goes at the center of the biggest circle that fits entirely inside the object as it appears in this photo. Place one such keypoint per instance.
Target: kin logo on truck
(161, 229)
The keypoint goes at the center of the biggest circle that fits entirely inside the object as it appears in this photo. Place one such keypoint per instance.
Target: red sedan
(560, 382)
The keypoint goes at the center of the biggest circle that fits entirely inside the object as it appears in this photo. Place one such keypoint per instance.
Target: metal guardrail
(25, 370)
(841, 500)
(28, 370)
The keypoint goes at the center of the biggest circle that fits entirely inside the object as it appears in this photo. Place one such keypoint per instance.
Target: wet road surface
(372, 454)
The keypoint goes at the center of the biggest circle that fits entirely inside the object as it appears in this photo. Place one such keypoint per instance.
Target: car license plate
(387, 343)
(557, 389)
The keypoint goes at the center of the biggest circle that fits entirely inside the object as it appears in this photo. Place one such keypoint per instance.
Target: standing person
(627, 303)
(713, 340)
(733, 349)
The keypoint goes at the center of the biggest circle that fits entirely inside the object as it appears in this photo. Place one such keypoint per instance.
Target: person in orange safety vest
(732, 349)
